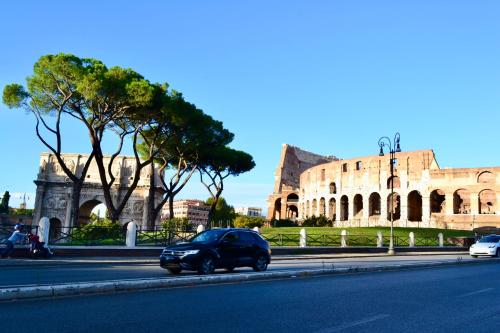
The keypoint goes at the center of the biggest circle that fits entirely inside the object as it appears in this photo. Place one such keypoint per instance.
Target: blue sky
(328, 76)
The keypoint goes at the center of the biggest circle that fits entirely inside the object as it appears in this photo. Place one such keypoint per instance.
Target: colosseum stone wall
(357, 192)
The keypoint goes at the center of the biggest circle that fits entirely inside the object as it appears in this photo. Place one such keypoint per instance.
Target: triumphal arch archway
(53, 193)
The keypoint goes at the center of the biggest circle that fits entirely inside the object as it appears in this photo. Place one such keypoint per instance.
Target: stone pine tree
(190, 131)
(51, 92)
(218, 164)
(4, 204)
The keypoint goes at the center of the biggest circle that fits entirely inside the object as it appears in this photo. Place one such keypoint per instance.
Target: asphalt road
(26, 275)
(452, 299)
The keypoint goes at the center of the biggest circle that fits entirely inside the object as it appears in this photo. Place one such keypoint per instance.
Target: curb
(68, 262)
(87, 288)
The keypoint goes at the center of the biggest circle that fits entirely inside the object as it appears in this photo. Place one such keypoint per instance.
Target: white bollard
(44, 229)
(303, 238)
(411, 241)
(200, 228)
(380, 240)
(131, 234)
(343, 238)
(441, 240)
(256, 229)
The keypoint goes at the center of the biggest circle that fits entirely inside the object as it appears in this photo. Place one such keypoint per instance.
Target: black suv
(218, 248)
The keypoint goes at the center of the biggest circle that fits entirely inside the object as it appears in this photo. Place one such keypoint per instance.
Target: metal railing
(88, 235)
(288, 239)
(159, 236)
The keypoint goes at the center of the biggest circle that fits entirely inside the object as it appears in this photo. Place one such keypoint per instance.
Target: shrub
(242, 221)
(314, 221)
(283, 223)
(104, 229)
(177, 224)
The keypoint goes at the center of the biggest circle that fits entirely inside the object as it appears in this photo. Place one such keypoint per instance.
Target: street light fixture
(394, 148)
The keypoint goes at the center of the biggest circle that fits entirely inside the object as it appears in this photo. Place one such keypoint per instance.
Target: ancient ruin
(357, 192)
(53, 191)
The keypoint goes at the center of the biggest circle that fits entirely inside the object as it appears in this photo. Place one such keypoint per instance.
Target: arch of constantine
(53, 193)
(357, 192)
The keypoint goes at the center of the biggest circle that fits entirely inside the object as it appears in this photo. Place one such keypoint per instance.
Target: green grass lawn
(330, 236)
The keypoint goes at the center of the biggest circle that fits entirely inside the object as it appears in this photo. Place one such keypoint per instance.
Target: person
(16, 236)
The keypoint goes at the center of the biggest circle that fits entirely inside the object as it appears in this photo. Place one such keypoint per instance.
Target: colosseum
(357, 192)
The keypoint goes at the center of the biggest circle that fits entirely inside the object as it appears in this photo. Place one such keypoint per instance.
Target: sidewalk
(83, 261)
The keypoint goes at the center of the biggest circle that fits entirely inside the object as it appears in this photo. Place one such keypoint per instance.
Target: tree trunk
(170, 206)
(152, 212)
(75, 203)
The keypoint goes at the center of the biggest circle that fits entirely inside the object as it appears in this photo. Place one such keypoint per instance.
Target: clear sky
(328, 76)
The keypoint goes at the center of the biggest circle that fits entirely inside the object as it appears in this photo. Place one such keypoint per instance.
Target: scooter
(38, 249)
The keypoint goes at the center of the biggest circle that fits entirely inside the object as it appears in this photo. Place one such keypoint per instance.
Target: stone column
(145, 212)
(303, 238)
(44, 229)
(474, 203)
(366, 208)
(411, 241)
(343, 238)
(131, 234)
(426, 211)
(383, 209)
(440, 239)
(449, 203)
(380, 239)
(351, 209)
(337, 210)
(283, 209)
(40, 191)
(404, 209)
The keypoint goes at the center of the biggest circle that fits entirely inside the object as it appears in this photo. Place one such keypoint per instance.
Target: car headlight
(491, 246)
(190, 252)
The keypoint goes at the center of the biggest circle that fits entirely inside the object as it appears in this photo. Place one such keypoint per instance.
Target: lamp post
(393, 149)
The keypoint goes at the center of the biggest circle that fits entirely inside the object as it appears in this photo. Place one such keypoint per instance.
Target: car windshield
(489, 239)
(208, 236)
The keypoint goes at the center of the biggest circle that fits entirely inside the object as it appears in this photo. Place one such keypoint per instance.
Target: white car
(486, 246)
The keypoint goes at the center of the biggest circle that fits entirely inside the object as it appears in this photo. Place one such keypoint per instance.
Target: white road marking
(353, 324)
(476, 292)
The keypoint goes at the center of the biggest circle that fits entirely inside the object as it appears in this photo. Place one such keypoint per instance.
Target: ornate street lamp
(394, 148)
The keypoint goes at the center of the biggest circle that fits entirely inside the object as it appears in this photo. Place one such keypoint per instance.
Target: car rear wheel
(207, 266)
(174, 270)
(497, 254)
(260, 264)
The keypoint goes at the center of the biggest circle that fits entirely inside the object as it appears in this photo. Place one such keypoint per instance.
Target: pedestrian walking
(16, 236)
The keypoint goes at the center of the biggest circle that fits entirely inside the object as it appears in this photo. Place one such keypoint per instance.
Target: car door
(229, 250)
(246, 243)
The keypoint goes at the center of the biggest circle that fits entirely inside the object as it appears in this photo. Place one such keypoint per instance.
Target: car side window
(231, 237)
(246, 237)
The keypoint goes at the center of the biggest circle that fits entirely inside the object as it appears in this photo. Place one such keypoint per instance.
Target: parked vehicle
(486, 246)
(218, 248)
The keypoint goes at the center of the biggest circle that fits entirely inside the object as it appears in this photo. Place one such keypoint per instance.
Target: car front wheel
(260, 264)
(207, 266)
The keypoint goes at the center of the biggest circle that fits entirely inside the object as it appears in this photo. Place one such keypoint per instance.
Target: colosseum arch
(332, 208)
(314, 207)
(374, 204)
(53, 193)
(344, 208)
(396, 208)
(437, 202)
(414, 206)
(277, 209)
(322, 207)
(358, 206)
(461, 202)
(395, 180)
(487, 202)
(486, 177)
(333, 188)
